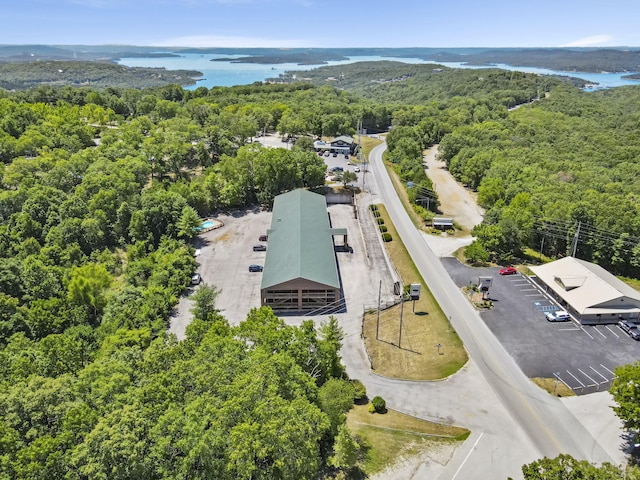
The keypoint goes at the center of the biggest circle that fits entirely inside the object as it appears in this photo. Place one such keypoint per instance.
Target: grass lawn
(392, 435)
(554, 387)
(367, 144)
(419, 358)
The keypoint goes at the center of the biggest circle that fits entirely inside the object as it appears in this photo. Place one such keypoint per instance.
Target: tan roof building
(594, 295)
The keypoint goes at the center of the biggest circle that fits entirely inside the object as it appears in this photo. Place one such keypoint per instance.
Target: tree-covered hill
(24, 75)
(402, 83)
(571, 158)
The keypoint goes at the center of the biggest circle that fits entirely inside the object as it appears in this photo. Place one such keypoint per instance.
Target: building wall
(299, 295)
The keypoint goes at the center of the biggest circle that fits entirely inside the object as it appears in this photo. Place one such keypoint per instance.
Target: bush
(359, 391)
(376, 213)
(380, 221)
(378, 404)
(374, 208)
(383, 228)
(386, 237)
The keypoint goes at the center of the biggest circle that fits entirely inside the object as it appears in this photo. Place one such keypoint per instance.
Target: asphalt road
(547, 427)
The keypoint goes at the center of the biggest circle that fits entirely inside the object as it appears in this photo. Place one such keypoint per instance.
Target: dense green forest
(390, 82)
(23, 75)
(100, 191)
(562, 170)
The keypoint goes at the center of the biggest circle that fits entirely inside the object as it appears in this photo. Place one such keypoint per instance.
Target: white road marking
(605, 378)
(603, 335)
(594, 382)
(582, 328)
(609, 328)
(607, 369)
(576, 379)
(467, 457)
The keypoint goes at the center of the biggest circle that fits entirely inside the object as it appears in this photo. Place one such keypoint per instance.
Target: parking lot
(582, 357)
(226, 253)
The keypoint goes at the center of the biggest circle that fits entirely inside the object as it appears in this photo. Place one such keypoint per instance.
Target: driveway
(456, 201)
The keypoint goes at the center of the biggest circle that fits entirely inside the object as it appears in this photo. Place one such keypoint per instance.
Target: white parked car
(557, 316)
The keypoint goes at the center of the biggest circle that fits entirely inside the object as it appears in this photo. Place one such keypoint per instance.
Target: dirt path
(455, 201)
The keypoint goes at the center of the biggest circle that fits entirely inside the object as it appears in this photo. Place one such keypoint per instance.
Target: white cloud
(230, 41)
(593, 41)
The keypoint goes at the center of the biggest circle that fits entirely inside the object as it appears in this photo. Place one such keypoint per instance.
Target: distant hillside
(620, 59)
(600, 60)
(23, 75)
(402, 83)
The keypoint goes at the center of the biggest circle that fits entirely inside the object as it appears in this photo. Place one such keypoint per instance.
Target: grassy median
(428, 348)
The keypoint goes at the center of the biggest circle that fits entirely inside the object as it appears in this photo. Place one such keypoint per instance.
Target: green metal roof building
(300, 270)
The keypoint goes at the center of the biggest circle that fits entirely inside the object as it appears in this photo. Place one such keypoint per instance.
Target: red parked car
(507, 271)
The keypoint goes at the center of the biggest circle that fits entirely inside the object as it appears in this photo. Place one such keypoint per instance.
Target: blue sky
(322, 23)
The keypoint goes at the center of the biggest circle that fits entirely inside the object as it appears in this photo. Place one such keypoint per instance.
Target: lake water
(227, 74)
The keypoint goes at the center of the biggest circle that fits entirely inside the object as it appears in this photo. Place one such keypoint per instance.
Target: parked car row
(259, 247)
(630, 329)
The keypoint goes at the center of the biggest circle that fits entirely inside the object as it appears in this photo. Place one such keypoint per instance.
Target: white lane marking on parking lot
(605, 378)
(582, 328)
(532, 295)
(594, 382)
(576, 379)
(568, 329)
(609, 328)
(607, 369)
(603, 335)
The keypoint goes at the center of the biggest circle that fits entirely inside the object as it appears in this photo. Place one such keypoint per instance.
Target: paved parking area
(226, 253)
(582, 357)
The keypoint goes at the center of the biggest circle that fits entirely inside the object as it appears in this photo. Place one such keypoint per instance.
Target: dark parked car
(260, 247)
(263, 238)
(630, 329)
(346, 156)
(335, 154)
(507, 271)
(255, 268)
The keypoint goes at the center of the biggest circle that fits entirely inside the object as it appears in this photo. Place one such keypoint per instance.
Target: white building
(592, 294)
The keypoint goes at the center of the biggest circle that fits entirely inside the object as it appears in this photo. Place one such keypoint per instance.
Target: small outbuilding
(300, 271)
(442, 223)
(587, 290)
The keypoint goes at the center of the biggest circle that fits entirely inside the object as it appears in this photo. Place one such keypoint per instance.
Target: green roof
(300, 242)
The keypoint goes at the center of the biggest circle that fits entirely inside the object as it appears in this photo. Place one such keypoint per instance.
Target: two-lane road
(549, 427)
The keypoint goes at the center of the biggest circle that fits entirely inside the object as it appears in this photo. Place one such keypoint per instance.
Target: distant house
(592, 294)
(343, 144)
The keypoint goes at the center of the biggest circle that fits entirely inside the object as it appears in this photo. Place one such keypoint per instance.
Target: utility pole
(378, 322)
(364, 169)
(401, 310)
(576, 238)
